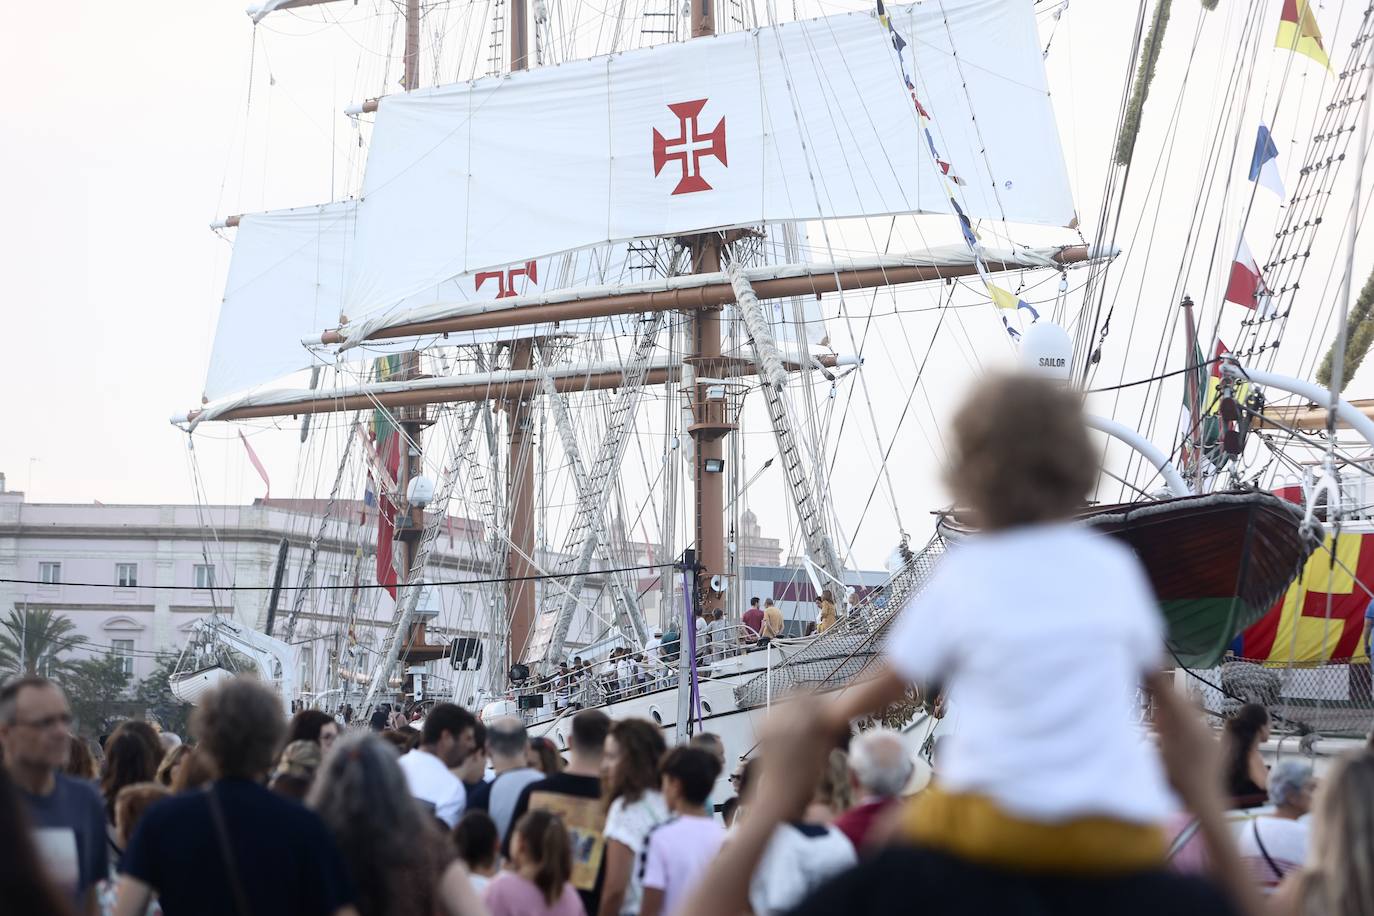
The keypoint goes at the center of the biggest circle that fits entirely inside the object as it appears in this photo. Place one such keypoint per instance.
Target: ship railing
(846, 651)
(1334, 698)
(651, 670)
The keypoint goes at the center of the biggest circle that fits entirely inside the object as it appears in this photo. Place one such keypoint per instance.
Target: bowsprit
(689, 147)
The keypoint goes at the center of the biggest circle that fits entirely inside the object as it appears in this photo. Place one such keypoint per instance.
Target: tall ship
(609, 287)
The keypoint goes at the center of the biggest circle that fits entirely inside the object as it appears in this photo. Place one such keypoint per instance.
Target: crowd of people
(1046, 798)
(261, 814)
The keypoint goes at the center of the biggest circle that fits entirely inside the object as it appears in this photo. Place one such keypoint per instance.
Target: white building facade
(134, 579)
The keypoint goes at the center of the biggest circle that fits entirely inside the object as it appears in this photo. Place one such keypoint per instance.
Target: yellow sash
(973, 827)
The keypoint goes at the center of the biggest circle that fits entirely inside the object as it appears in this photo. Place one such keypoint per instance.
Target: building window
(126, 575)
(205, 575)
(335, 593)
(124, 651)
(307, 668)
(50, 573)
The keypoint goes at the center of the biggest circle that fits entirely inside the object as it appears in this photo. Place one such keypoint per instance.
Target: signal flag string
(1001, 298)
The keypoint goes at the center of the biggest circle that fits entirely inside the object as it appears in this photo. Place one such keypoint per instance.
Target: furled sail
(801, 121)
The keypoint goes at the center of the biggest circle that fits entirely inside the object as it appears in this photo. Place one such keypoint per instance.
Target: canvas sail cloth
(802, 121)
(288, 276)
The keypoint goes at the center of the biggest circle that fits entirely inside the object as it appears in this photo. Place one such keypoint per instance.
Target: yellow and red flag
(1298, 627)
(1298, 31)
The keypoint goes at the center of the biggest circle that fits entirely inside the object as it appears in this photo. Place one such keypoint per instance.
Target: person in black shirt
(910, 878)
(575, 795)
(236, 848)
(899, 879)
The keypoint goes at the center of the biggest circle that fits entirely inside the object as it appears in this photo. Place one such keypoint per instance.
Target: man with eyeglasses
(67, 815)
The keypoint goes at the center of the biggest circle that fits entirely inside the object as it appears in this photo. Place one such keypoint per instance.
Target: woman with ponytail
(541, 863)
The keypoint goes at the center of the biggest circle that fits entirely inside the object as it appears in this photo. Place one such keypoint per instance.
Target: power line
(267, 588)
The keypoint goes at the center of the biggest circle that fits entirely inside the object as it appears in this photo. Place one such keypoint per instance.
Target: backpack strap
(241, 907)
(1273, 866)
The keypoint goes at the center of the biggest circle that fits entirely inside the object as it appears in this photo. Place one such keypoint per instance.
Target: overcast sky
(128, 129)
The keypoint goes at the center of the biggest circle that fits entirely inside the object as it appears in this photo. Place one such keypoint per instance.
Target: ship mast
(710, 422)
(411, 421)
(520, 483)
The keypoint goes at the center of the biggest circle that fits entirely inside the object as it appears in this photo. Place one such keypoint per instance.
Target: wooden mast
(520, 483)
(412, 420)
(710, 420)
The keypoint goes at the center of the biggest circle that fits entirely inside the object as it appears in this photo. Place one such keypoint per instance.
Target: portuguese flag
(387, 440)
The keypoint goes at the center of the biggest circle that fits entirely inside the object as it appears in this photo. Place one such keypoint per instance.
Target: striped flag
(1298, 32)
(1010, 301)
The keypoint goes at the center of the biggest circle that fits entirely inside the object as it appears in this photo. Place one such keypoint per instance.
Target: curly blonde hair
(1021, 453)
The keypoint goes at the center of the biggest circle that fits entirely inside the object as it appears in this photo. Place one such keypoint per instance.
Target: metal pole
(686, 649)
(768, 684)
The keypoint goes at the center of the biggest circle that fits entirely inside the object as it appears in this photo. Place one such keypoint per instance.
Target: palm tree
(33, 642)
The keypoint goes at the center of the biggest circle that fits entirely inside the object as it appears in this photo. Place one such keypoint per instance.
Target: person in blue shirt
(1368, 626)
(236, 848)
(66, 814)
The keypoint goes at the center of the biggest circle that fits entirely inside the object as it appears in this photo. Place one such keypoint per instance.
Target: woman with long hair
(828, 613)
(1247, 778)
(194, 771)
(80, 761)
(1339, 877)
(129, 758)
(171, 764)
(541, 859)
(630, 780)
(397, 858)
(24, 883)
(544, 757)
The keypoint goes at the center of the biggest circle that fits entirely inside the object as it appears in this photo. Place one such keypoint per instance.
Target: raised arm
(1192, 761)
(865, 698)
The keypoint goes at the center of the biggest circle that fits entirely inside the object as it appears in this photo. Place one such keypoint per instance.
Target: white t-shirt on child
(1040, 635)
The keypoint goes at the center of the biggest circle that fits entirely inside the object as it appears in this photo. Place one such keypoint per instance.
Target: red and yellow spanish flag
(1298, 31)
(1297, 628)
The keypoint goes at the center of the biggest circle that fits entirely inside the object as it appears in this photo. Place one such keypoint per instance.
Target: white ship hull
(189, 688)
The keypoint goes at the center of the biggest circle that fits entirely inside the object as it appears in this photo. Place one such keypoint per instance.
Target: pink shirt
(510, 894)
(678, 852)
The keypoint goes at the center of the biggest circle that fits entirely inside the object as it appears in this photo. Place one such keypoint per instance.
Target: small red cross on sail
(690, 146)
(505, 279)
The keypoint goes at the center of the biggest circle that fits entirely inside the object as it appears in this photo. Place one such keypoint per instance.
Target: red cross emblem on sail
(505, 279)
(689, 147)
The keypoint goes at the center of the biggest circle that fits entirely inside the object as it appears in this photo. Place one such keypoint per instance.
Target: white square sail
(802, 121)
